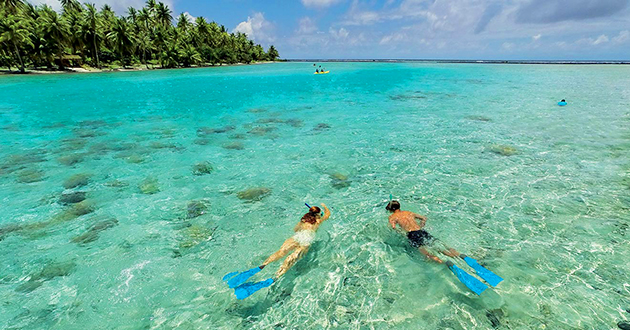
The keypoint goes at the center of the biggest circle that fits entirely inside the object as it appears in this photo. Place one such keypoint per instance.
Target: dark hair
(311, 216)
(392, 206)
(563, 100)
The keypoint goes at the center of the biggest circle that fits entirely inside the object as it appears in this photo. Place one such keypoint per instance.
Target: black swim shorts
(419, 238)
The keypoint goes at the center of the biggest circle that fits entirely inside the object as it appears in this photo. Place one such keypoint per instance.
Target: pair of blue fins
(470, 281)
(242, 290)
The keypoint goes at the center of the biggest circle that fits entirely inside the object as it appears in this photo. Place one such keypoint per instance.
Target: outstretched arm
(392, 222)
(326, 213)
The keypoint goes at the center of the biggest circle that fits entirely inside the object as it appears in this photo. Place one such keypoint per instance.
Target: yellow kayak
(325, 72)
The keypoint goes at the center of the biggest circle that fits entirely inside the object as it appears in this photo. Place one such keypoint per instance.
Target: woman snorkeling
(297, 245)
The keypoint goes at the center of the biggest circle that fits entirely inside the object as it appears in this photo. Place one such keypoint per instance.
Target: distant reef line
(593, 62)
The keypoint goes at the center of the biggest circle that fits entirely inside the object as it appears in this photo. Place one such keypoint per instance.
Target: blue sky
(434, 29)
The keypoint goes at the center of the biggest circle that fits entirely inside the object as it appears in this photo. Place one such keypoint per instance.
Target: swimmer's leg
(288, 245)
(429, 255)
(291, 260)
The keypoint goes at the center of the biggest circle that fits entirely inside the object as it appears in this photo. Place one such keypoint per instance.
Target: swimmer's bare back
(407, 220)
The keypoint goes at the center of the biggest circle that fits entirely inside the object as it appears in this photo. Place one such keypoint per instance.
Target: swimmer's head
(312, 215)
(392, 206)
(563, 100)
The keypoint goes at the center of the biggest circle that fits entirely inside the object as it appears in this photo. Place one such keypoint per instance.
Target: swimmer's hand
(326, 212)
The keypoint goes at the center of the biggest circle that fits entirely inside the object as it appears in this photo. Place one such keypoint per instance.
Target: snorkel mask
(309, 207)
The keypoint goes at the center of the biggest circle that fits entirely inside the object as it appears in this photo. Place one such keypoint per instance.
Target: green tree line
(38, 36)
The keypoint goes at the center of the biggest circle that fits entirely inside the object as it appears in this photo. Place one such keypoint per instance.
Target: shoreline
(81, 70)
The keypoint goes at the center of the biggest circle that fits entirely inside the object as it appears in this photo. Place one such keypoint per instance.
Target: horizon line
(496, 61)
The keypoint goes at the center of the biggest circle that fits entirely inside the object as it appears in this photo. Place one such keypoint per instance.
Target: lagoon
(125, 197)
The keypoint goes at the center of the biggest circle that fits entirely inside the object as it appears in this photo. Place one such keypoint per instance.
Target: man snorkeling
(298, 245)
(421, 239)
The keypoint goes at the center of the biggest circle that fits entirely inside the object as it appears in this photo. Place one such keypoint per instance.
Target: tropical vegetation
(81, 34)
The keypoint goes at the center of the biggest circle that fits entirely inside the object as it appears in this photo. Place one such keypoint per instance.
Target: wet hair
(311, 216)
(563, 100)
(392, 206)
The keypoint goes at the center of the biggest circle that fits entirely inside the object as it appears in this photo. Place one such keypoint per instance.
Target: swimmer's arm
(422, 218)
(326, 213)
(392, 222)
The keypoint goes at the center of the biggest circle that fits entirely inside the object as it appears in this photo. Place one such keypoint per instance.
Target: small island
(83, 38)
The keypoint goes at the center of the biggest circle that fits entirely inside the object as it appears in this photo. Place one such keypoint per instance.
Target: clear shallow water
(550, 214)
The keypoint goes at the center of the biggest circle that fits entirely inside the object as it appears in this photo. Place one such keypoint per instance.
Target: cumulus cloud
(551, 11)
(307, 26)
(257, 28)
(319, 3)
(342, 33)
(536, 37)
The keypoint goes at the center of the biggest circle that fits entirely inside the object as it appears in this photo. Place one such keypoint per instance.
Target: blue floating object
(562, 104)
(242, 277)
(470, 281)
(245, 290)
(488, 276)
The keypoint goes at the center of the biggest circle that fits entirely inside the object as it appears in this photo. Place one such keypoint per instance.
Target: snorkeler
(421, 239)
(298, 245)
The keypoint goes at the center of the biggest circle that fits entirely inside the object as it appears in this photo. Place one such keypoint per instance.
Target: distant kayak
(325, 72)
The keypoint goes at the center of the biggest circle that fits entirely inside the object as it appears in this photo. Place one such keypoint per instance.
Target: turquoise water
(539, 193)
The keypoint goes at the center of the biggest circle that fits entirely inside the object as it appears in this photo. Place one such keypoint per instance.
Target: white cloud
(319, 3)
(392, 37)
(536, 37)
(257, 28)
(508, 46)
(600, 40)
(623, 37)
(307, 26)
(190, 17)
(339, 34)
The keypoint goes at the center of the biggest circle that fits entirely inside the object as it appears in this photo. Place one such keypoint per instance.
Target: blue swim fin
(470, 281)
(241, 277)
(488, 276)
(245, 290)
(229, 275)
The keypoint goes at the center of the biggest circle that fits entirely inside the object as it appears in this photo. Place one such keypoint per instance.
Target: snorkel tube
(309, 207)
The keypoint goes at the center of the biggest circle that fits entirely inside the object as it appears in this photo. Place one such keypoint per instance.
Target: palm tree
(70, 5)
(272, 53)
(55, 32)
(163, 15)
(143, 41)
(90, 30)
(183, 23)
(169, 56)
(38, 36)
(12, 6)
(121, 39)
(13, 31)
(189, 55)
